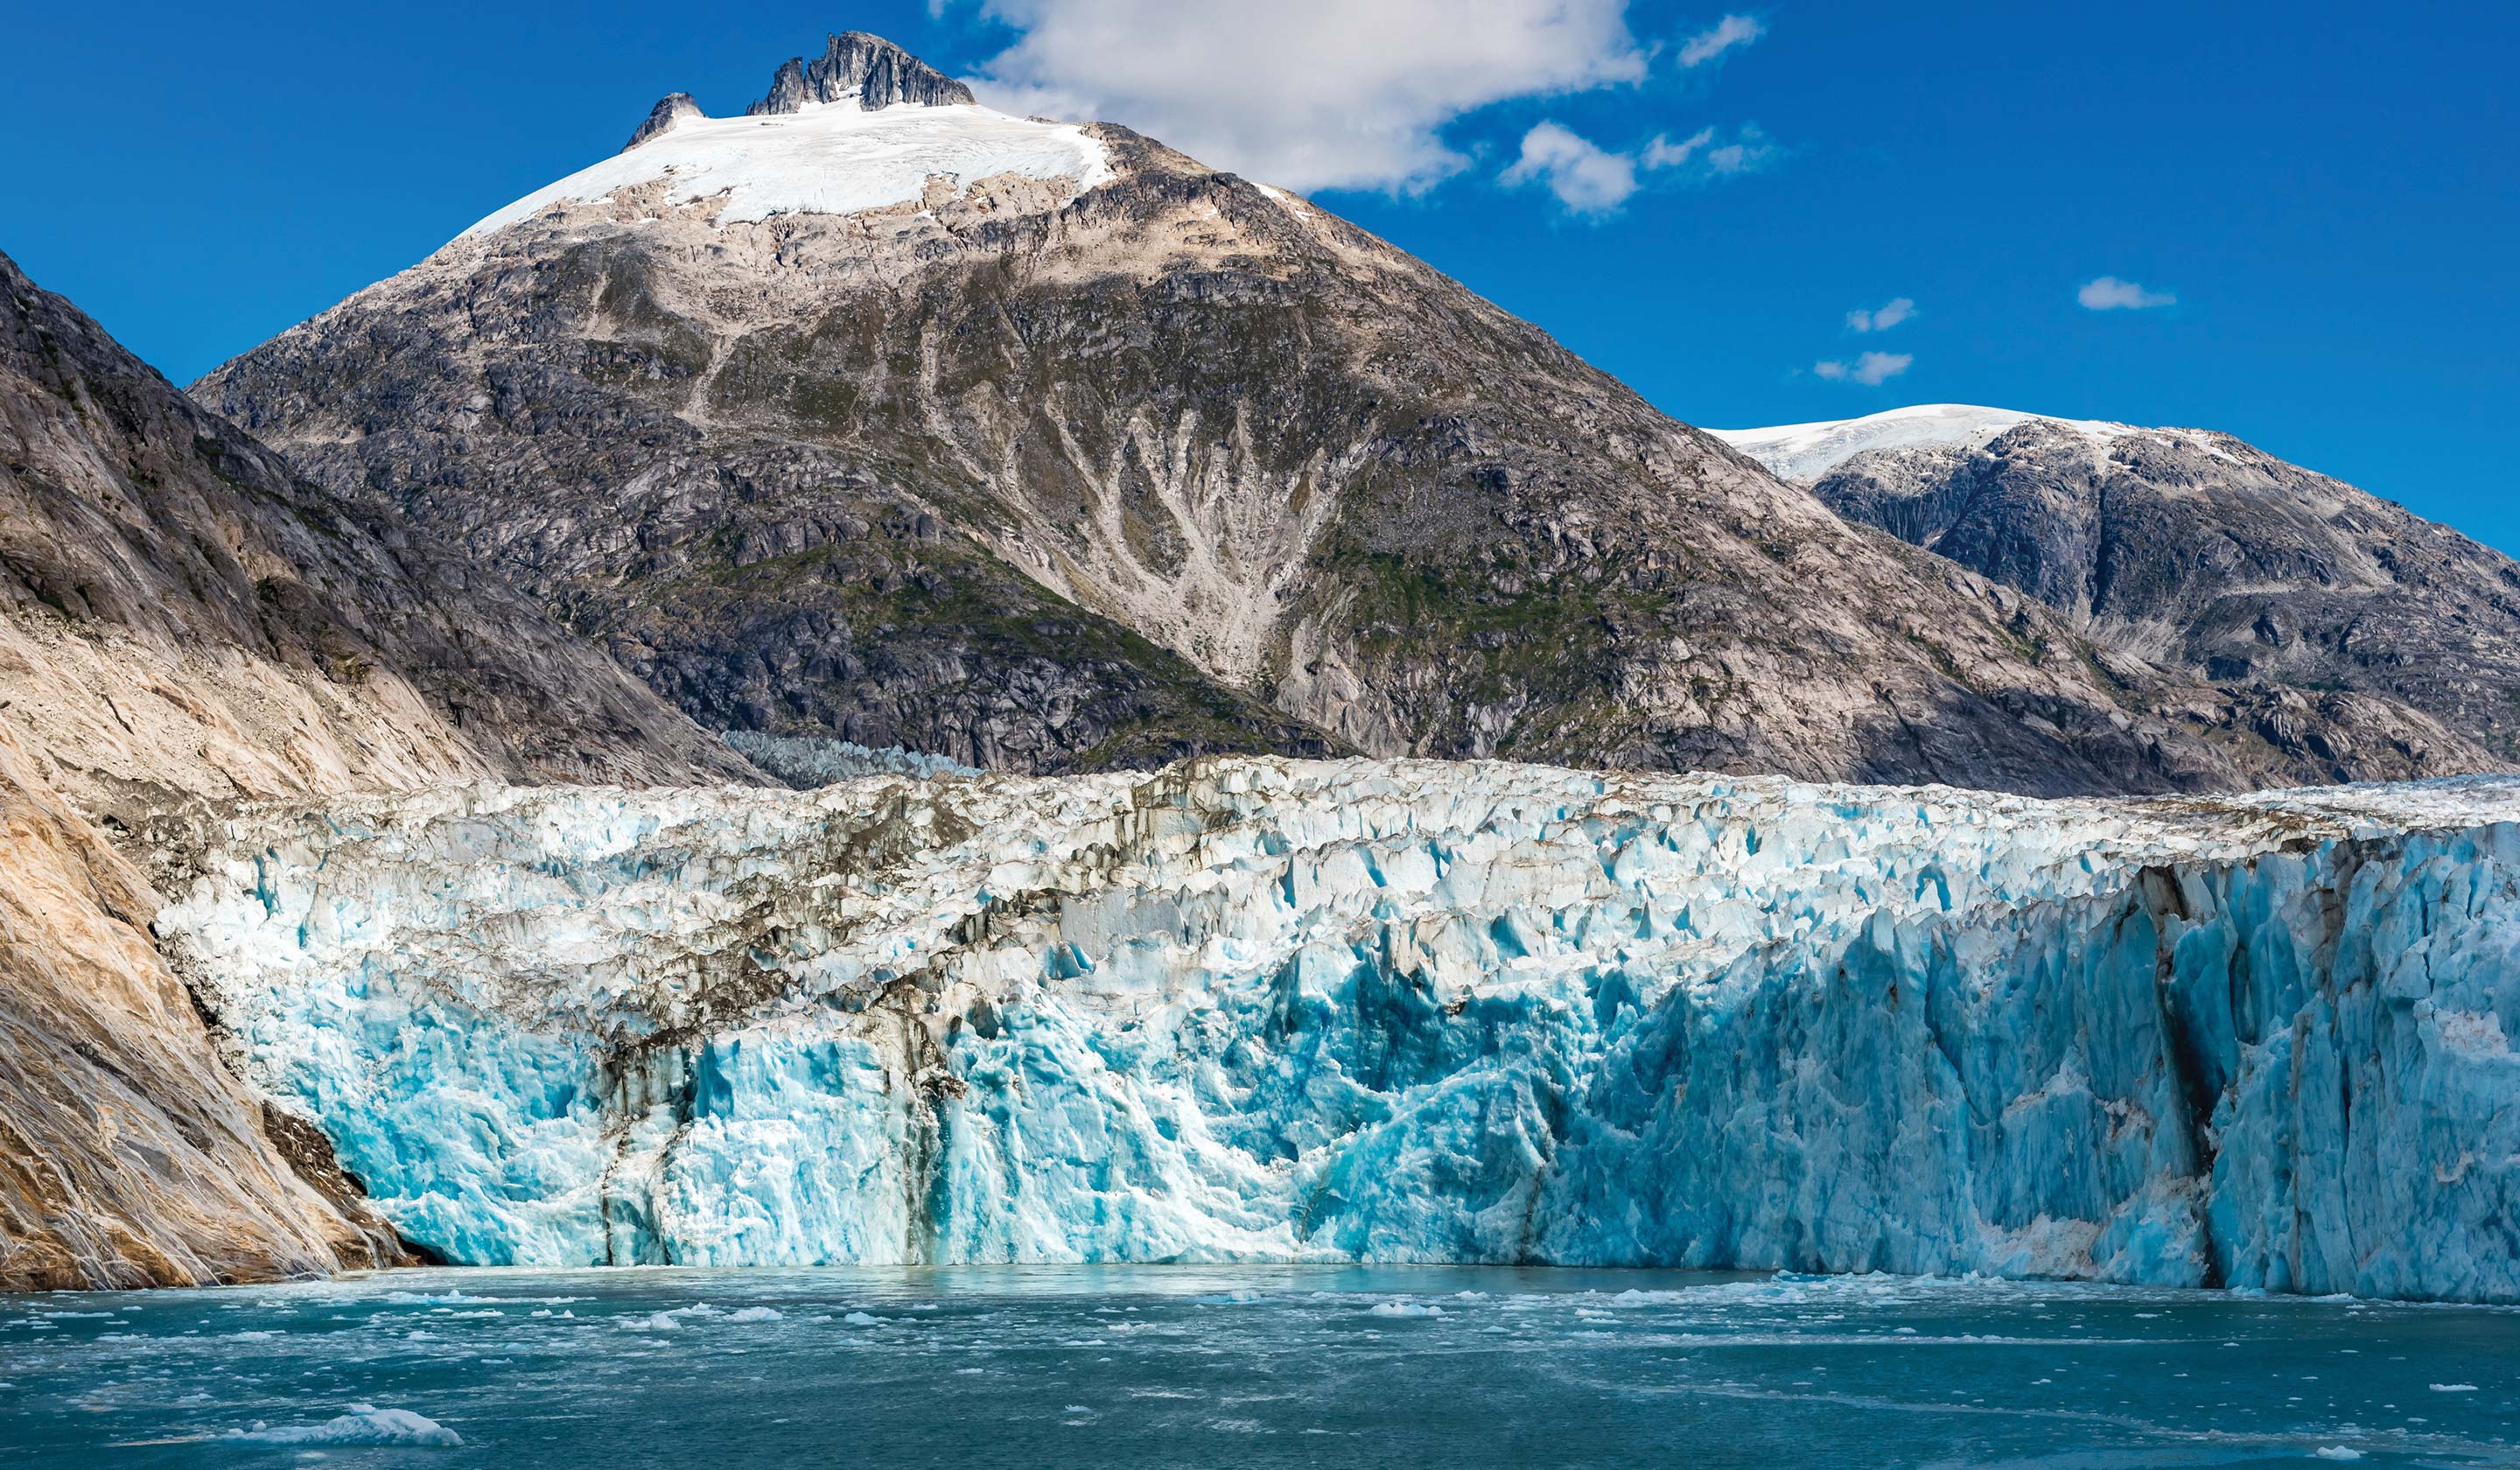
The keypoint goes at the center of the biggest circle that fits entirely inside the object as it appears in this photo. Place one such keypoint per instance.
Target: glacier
(1398, 1011)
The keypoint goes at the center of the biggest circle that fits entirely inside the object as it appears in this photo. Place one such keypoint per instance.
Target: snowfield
(1269, 1009)
(831, 158)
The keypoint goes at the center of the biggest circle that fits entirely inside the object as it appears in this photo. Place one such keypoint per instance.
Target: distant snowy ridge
(827, 158)
(1808, 451)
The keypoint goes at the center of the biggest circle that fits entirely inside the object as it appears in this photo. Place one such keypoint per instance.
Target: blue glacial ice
(1398, 1011)
(362, 1424)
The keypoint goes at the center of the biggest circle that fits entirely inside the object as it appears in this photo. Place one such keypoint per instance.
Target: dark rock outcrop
(865, 70)
(670, 110)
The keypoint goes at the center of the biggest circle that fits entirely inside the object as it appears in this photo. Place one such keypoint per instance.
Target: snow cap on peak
(864, 126)
(865, 70)
(669, 110)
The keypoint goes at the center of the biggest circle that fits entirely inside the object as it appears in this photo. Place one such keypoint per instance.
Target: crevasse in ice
(1402, 1011)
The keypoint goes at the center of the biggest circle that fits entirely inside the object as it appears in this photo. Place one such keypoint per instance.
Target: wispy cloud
(1309, 94)
(2109, 293)
(1587, 179)
(1882, 318)
(1662, 152)
(1750, 151)
(1590, 179)
(1722, 36)
(1871, 370)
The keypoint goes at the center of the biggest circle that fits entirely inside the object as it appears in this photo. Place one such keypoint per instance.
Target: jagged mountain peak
(867, 73)
(865, 70)
(669, 110)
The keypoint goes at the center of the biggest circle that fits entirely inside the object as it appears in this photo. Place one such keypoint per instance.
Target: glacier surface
(1268, 1010)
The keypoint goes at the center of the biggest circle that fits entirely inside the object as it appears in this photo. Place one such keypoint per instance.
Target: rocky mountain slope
(179, 610)
(1418, 1011)
(2188, 549)
(182, 621)
(1047, 448)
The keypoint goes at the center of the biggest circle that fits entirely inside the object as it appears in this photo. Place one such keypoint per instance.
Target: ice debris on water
(1261, 1009)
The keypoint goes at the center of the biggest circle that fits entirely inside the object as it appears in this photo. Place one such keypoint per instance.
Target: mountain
(2188, 549)
(1254, 1010)
(1046, 447)
(179, 611)
(183, 621)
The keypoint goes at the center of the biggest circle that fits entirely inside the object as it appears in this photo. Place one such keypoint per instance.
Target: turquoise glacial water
(1450, 1368)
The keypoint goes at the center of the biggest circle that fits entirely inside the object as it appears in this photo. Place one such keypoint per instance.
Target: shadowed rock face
(1045, 480)
(865, 70)
(179, 609)
(2203, 553)
(670, 108)
(183, 621)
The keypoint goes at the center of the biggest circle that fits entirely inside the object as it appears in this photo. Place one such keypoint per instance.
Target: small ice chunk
(2335, 1453)
(364, 1424)
(1404, 1309)
(862, 1319)
(755, 1315)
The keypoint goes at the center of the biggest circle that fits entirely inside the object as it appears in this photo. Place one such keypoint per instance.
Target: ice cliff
(1401, 1012)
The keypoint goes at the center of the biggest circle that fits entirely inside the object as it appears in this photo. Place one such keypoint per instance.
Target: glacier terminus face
(1400, 1011)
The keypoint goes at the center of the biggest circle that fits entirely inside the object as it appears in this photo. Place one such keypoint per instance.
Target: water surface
(1243, 1366)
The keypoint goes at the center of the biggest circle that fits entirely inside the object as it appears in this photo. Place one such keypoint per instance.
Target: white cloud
(1589, 179)
(1882, 318)
(1585, 178)
(1718, 38)
(1662, 152)
(1750, 151)
(1871, 370)
(1308, 94)
(2109, 293)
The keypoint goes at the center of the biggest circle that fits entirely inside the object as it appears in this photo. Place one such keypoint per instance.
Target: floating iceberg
(364, 1424)
(1264, 1009)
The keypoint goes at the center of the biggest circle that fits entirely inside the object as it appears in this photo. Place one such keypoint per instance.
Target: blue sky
(2329, 194)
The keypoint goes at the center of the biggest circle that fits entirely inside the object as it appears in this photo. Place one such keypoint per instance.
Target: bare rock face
(128, 1155)
(2201, 552)
(865, 70)
(182, 620)
(179, 610)
(671, 108)
(1047, 470)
